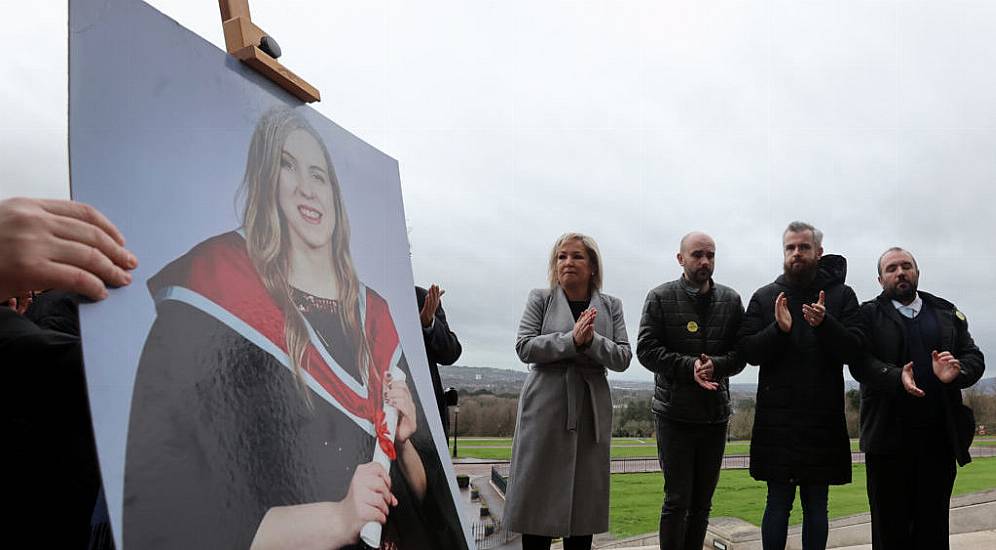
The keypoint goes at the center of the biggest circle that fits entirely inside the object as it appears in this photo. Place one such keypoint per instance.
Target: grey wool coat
(559, 478)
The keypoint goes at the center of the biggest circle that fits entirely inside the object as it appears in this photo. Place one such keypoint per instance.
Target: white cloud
(635, 121)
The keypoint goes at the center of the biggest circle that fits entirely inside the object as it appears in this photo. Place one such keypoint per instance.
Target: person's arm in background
(441, 344)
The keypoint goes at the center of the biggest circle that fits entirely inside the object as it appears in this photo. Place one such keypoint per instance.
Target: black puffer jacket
(677, 325)
(880, 366)
(799, 433)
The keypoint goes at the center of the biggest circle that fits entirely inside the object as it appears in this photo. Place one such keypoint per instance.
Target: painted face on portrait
(698, 258)
(802, 255)
(573, 265)
(305, 194)
(900, 275)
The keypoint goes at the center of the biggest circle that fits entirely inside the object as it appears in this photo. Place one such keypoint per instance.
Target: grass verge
(636, 498)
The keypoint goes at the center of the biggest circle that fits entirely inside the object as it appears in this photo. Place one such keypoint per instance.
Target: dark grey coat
(559, 479)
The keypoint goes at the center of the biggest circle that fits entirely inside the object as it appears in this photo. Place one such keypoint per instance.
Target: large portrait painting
(263, 380)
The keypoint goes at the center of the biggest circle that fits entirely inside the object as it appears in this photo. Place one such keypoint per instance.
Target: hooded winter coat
(799, 433)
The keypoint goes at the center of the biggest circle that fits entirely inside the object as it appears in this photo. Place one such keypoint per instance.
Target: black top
(924, 336)
(578, 307)
(323, 316)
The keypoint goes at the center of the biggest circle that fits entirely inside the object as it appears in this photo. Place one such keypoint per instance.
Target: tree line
(487, 415)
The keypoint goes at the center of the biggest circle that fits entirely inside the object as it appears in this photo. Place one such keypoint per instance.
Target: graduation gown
(220, 428)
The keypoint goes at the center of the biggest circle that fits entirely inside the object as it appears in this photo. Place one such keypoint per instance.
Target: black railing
(499, 476)
(489, 533)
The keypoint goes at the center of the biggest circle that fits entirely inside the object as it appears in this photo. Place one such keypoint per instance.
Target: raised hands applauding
(814, 313)
(782, 314)
(946, 369)
(584, 328)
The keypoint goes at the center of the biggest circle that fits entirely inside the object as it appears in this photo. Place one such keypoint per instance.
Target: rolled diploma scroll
(370, 534)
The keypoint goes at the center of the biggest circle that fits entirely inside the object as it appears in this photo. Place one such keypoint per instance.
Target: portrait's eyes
(319, 177)
(286, 162)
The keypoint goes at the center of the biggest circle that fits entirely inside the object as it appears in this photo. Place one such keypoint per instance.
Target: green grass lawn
(500, 448)
(636, 498)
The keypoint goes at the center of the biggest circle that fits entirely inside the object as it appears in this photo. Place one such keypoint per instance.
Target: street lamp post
(452, 397)
(456, 426)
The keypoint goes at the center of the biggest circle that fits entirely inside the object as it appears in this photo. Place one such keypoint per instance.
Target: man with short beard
(918, 356)
(688, 333)
(800, 330)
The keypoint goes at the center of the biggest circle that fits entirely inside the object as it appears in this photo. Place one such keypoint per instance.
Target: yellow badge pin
(960, 315)
(693, 326)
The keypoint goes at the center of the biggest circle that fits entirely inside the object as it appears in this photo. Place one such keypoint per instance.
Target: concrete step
(962, 541)
(972, 519)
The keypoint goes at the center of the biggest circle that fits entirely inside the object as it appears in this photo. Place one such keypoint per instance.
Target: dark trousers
(539, 542)
(910, 493)
(690, 457)
(815, 525)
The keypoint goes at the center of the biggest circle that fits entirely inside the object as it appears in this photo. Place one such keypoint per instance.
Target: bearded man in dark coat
(918, 357)
(800, 330)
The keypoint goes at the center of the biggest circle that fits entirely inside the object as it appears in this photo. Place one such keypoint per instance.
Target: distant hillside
(509, 382)
(476, 379)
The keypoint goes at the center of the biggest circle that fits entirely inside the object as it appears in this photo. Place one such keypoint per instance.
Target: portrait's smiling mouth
(309, 214)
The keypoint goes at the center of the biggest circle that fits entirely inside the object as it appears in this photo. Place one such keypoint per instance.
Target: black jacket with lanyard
(883, 397)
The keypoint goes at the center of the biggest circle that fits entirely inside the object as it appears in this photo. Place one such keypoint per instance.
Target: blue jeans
(774, 526)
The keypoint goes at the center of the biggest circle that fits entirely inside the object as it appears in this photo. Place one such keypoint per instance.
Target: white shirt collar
(915, 305)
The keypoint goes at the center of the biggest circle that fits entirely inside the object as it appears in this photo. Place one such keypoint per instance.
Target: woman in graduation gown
(263, 387)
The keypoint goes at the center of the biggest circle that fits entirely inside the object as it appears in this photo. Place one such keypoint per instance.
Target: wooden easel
(242, 40)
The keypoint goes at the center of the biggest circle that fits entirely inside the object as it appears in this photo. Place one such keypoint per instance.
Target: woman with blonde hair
(569, 335)
(270, 378)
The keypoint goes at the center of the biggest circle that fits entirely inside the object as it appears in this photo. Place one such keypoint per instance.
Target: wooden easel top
(242, 40)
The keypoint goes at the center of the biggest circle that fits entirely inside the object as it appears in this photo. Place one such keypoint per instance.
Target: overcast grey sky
(633, 121)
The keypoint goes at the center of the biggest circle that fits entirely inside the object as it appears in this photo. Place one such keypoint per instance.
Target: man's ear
(681, 259)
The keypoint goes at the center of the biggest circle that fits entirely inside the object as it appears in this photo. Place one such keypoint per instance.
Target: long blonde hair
(268, 244)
